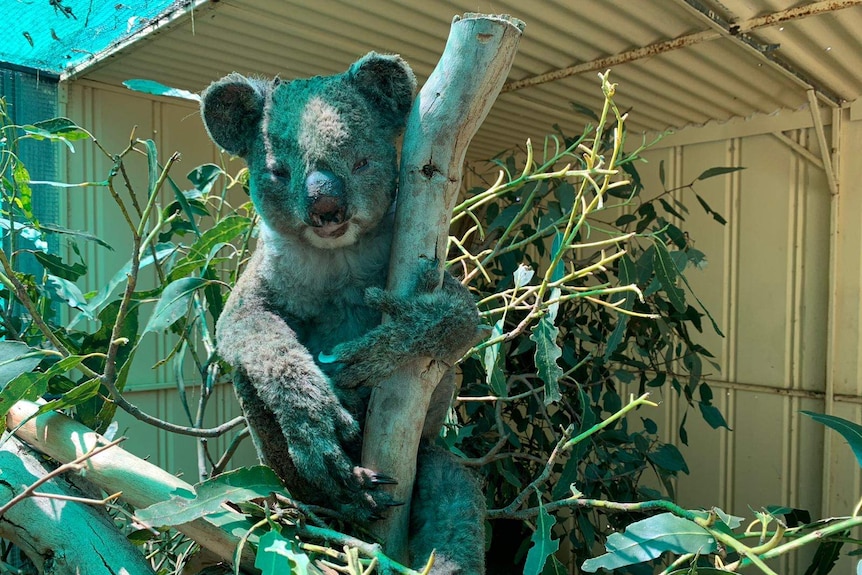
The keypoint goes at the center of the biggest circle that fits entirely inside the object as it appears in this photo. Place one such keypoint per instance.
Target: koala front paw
(442, 324)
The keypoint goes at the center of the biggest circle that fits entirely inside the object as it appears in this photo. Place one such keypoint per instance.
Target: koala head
(320, 151)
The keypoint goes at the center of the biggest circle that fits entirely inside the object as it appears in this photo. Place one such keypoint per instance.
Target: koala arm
(441, 324)
(262, 346)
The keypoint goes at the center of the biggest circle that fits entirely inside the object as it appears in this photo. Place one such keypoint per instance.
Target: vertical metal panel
(766, 283)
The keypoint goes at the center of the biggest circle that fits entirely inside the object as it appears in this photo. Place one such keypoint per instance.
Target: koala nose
(325, 196)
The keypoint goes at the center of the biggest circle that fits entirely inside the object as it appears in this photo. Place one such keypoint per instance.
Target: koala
(302, 327)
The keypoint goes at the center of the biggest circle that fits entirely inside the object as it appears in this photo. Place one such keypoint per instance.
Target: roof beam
(738, 32)
(720, 28)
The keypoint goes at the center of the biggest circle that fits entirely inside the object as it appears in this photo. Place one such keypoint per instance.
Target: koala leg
(447, 515)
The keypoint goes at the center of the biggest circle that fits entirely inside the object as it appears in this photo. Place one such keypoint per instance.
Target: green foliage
(852, 432)
(542, 544)
(581, 271)
(239, 485)
(277, 555)
(648, 538)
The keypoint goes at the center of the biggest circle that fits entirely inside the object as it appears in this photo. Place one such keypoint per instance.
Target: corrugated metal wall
(767, 283)
(111, 114)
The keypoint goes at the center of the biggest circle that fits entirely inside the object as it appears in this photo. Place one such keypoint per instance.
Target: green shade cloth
(54, 35)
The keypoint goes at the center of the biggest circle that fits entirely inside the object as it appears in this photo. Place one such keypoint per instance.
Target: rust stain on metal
(813, 9)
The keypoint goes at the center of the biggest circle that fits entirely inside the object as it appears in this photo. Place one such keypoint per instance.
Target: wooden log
(115, 469)
(61, 537)
(445, 116)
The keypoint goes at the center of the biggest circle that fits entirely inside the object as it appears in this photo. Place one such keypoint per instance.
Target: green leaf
(174, 303)
(17, 358)
(74, 397)
(31, 386)
(661, 176)
(647, 539)
(277, 555)
(560, 268)
(100, 300)
(666, 272)
(53, 228)
(547, 353)
(204, 177)
(712, 416)
(669, 458)
(542, 544)
(153, 171)
(57, 129)
(158, 89)
(187, 207)
(59, 268)
(627, 275)
(494, 376)
(242, 484)
(852, 432)
(718, 171)
(202, 250)
(67, 292)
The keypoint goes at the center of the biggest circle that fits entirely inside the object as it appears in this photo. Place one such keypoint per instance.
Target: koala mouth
(331, 230)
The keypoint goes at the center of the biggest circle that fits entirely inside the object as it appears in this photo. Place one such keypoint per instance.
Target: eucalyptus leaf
(31, 386)
(851, 432)
(543, 545)
(647, 539)
(548, 351)
(174, 303)
(718, 171)
(159, 89)
(666, 272)
(241, 484)
(217, 236)
(17, 358)
(100, 300)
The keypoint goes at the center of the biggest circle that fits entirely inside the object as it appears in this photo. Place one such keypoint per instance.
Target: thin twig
(71, 466)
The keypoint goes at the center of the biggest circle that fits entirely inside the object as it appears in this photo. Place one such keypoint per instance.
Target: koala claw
(381, 479)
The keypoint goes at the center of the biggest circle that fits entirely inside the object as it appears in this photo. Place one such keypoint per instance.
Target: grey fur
(315, 285)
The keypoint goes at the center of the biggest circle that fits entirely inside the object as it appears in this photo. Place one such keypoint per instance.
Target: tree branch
(445, 116)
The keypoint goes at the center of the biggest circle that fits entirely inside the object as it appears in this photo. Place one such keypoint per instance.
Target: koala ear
(232, 109)
(387, 82)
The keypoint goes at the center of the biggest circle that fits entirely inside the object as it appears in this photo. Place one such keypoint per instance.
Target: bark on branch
(445, 116)
(142, 483)
(61, 537)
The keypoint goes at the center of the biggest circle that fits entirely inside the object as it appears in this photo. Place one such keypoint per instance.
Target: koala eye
(360, 165)
(281, 173)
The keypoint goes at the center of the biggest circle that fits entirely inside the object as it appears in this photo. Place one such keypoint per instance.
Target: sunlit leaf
(174, 303)
(159, 89)
(73, 397)
(31, 386)
(17, 358)
(100, 300)
(493, 362)
(647, 539)
(241, 484)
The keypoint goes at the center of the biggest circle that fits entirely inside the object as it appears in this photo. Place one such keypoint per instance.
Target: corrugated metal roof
(716, 78)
